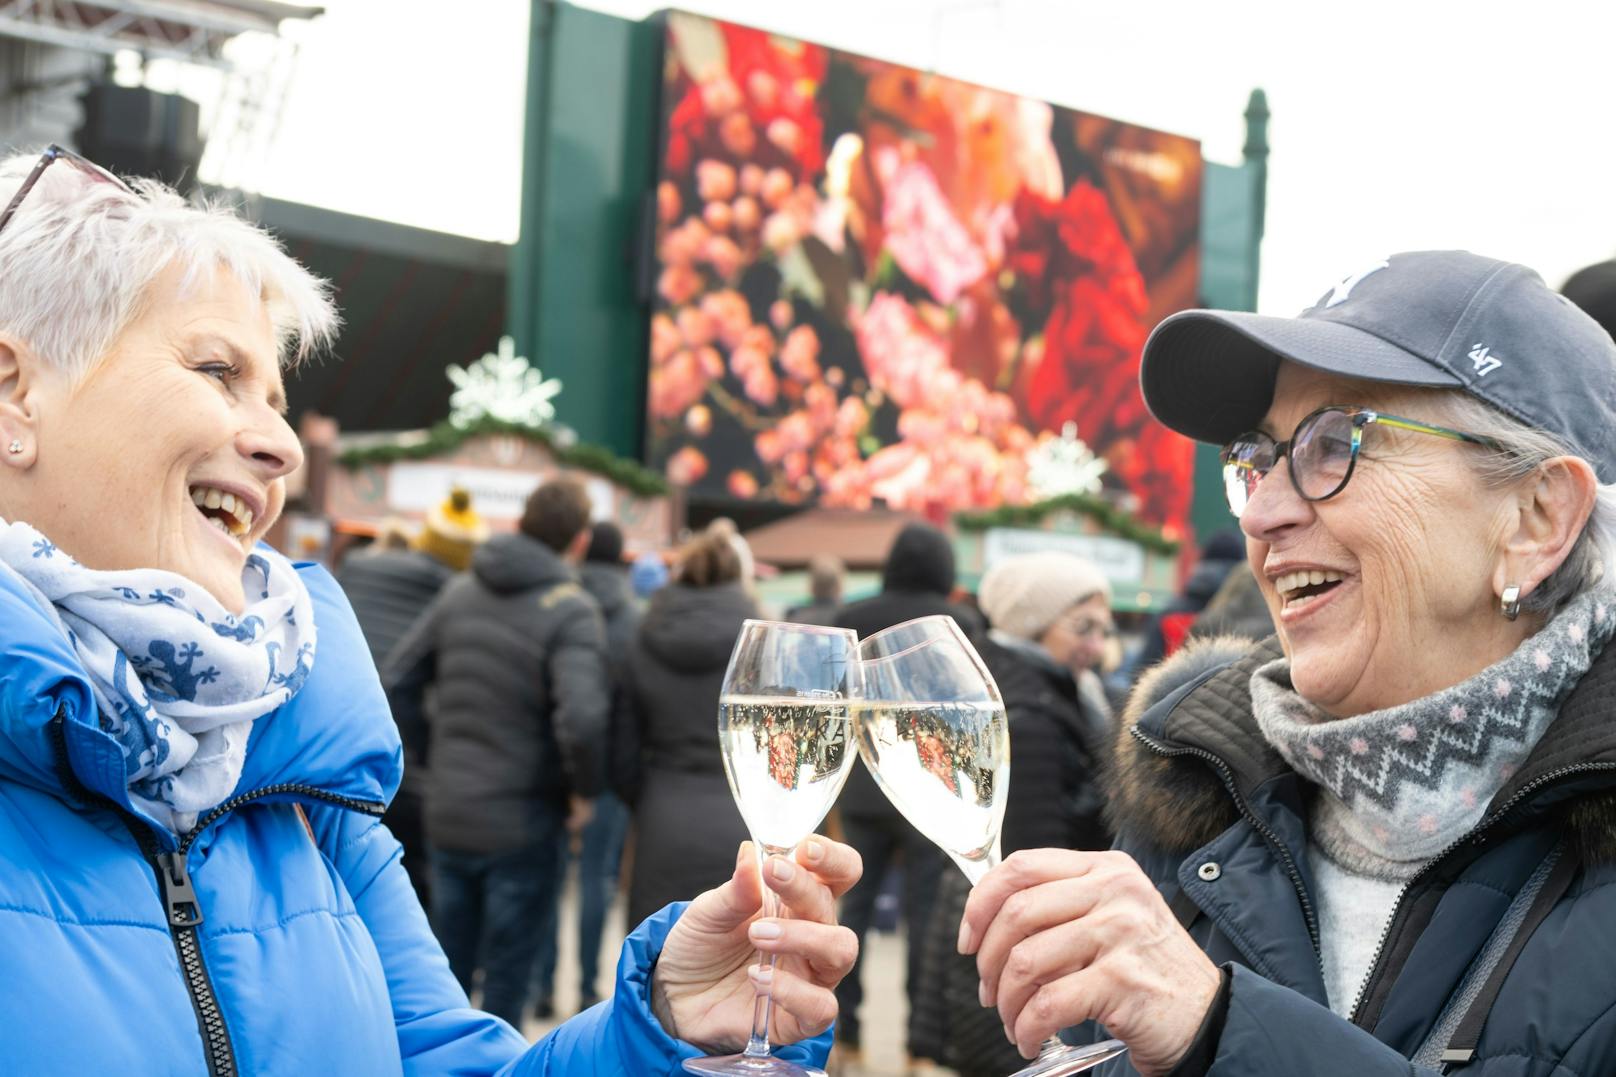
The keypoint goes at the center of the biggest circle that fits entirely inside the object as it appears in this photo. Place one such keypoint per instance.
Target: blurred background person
(1593, 288)
(648, 575)
(916, 581)
(1050, 618)
(389, 586)
(599, 845)
(1219, 555)
(826, 574)
(516, 651)
(686, 825)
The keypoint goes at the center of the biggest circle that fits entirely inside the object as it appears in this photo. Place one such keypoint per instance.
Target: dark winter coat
(609, 586)
(389, 590)
(1055, 796)
(917, 580)
(686, 824)
(1197, 785)
(517, 652)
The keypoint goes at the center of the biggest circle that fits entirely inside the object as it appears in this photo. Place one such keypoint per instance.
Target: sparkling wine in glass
(784, 726)
(932, 729)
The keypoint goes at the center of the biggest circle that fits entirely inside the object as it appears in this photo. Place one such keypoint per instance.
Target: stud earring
(1509, 603)
(15, 448)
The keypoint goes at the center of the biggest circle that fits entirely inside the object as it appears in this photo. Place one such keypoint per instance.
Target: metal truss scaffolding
(194, 31)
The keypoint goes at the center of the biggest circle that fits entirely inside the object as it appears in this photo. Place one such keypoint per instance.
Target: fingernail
(966, 937)
(812, 850)
(1011, 1036)
(782, 870)
(982, 994)
(761, 975)
(765, 929)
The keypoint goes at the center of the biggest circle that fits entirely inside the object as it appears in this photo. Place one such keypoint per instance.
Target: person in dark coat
(1384, 842)
(390, 587)
(1050, 616)
(916, 582)
(518, 655)
(599, 844)
(686, 823)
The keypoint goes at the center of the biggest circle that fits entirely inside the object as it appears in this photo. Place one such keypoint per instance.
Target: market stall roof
(191, 30)
(412, 302)
(860, 539)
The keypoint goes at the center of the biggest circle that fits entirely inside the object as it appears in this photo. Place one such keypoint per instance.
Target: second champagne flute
(784, 730)
(932, 729)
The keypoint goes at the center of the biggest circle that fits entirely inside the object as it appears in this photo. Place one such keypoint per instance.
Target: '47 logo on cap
(1484, 362)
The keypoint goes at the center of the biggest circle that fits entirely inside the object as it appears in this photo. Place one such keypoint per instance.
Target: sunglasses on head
(52, 154)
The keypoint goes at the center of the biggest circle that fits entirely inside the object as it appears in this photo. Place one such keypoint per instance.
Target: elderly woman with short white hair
(1384, 842)
(194, 748)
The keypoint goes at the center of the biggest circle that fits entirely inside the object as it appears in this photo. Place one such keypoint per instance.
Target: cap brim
(1209, 374)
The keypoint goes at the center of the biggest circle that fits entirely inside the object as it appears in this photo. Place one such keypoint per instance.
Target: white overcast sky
(1396, 125)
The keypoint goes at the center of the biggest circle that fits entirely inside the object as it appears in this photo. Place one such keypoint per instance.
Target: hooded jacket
(1217, 819)
(281, 936)
(916, 582)
(517, 653)
(686, 822)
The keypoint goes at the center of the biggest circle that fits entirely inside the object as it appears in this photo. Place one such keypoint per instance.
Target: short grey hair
(1520, 451)
(78, 259)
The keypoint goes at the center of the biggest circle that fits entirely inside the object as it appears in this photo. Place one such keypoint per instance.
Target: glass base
(1064, 1060)
(750, 1066)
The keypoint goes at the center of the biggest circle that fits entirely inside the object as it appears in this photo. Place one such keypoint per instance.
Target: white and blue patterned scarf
(178, 679)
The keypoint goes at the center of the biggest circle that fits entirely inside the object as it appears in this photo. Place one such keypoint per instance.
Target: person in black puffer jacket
(916, 582)
(389, 588)
(517, 652)
(600, 842)
(1050, 614)
(686, 824)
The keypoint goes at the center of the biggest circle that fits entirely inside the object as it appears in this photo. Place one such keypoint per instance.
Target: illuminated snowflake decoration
(503, 386)
(1064, 465)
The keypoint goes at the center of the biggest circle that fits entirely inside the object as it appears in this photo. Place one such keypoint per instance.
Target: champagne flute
(932, 729)
(784, 729)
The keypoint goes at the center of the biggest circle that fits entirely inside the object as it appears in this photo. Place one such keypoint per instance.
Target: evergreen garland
(1101, 512)
(445, 438)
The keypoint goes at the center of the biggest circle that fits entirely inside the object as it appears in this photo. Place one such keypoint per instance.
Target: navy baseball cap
(1443, 319)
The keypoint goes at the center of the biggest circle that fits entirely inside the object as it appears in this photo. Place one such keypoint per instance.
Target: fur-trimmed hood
(1164, 789)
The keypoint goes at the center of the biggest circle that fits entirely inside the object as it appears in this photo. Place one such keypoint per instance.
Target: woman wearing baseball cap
(1389, 834)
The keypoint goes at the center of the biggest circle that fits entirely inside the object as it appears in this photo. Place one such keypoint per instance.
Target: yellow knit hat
(453, 530)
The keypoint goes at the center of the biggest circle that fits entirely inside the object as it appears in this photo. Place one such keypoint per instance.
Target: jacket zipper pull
(184, 910)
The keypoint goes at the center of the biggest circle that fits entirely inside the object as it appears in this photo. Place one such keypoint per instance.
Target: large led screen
(879, 285)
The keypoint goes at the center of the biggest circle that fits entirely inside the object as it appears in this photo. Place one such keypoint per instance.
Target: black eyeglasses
(1323, 452)
(52, 154)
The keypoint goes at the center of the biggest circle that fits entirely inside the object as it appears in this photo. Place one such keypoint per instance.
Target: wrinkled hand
(706, 980)
(1062, 937)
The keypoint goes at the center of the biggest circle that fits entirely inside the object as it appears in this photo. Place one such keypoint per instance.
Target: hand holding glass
(783, 727)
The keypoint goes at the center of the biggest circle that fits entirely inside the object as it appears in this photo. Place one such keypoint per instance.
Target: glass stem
(757, 1045)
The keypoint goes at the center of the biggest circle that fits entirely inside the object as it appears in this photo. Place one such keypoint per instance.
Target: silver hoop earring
(15, 448)
(1509, 603)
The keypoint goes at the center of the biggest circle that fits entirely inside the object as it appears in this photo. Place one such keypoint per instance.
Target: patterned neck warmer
(1398, 786)
(178, 679)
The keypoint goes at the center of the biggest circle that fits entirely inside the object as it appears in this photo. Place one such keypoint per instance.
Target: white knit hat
(1025, 594)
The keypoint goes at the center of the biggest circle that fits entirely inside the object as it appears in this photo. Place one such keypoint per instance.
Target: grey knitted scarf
(1397, 786)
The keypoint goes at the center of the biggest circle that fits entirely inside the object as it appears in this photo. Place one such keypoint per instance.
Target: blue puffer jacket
(285, 938)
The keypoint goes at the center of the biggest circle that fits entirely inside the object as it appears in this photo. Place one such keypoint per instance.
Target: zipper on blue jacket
(181, 907)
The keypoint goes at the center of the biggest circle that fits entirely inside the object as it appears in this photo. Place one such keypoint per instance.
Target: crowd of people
(1373, 834)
